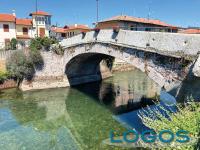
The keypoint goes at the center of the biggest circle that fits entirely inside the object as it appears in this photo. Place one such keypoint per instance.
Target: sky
(182, 13)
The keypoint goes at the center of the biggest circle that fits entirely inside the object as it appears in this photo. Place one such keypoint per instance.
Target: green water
(74, 118)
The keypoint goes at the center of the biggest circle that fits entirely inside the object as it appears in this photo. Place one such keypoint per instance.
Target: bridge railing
(157, 41)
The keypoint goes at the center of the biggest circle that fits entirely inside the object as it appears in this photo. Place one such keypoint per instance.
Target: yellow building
(23, 29)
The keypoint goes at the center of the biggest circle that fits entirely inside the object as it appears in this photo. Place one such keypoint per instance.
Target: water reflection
(73, 118)
(124, 92)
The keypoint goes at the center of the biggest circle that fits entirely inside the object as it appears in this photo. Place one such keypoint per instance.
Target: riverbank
(8, 84)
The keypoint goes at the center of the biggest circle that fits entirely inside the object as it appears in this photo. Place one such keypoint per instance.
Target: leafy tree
(36, 58)
(20, 66)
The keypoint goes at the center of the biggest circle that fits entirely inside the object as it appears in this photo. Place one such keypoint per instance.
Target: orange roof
(7, 18)
(23, 37)
(41, 13)
(68, 28)
(76, 27)
(27, 22)
(58, 30)
(140, 20)
(190, 31)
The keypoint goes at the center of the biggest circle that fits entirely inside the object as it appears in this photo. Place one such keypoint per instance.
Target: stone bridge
(167, 58)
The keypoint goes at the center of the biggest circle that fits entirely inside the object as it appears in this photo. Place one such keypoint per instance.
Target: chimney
(13, 13)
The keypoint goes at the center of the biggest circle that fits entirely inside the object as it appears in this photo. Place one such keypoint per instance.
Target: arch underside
(83, 62)
(88, 67)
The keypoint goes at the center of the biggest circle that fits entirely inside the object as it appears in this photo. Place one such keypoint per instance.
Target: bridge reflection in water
(80, 117)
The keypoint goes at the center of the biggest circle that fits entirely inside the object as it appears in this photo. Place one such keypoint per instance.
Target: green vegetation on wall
(3, 76)
(42, 43)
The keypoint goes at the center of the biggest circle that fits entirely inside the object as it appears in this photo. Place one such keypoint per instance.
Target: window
(132, 28)
(6, 28)
(42, 20)
(147, 29)
(7, 44)
(25, 31)
(47, 20)
(63, 35)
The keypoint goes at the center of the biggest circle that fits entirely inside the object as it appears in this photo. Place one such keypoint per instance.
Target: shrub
(13, 44)
(3, 76)
(42, 43)
(58, 49)
(186, 118)
(36, 44)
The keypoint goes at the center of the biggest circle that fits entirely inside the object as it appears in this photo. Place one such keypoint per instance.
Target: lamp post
(97, 11)
(36, 17)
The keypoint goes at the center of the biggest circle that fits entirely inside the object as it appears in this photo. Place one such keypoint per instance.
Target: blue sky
(177, 12)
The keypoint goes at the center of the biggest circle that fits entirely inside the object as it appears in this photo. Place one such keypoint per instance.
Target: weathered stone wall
(53, 73)
(196, 69)
(120, 65)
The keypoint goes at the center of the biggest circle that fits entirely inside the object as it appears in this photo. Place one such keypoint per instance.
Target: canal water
(80, 117)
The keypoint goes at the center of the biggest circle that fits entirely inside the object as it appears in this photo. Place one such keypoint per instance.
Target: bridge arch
(88, 67)
(84, 60)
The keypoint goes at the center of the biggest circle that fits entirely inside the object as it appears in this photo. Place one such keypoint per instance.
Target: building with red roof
(24, 29)
(38, 25)
(7, 18)
(26, 22)
(136, 24)
(41, 23)
(190, 31)
(7, 29)
(68, 31)
(39, 13)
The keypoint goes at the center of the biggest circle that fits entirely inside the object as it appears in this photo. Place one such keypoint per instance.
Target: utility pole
(36, 18)
(97, 11)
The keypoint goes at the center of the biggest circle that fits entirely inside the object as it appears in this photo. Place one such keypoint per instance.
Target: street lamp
(97, 11)
(36, 18)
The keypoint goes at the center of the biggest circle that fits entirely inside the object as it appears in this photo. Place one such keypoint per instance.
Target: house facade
(7, 29)
(41, 22)
(24, 31)
(68, 31)
(136, 24)
(39, 25)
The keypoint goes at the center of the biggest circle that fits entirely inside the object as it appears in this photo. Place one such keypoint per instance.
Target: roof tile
(7, 18)
(27, 22)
